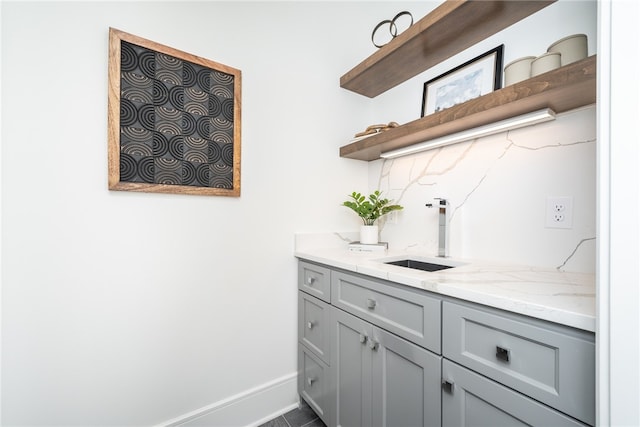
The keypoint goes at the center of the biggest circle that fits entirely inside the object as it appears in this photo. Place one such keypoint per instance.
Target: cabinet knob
(310, 325)
(502, 353)
(447, 386)
(373, 345)
(310, 280)
(363, 338)
(310, 381)
(371, 303)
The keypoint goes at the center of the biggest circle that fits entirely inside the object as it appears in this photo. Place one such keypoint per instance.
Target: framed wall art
(474, 78)
(174, 120)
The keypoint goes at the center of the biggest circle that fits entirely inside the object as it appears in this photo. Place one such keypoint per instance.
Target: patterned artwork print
(176, 121)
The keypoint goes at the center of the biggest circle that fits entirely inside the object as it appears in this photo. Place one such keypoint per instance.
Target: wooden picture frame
(474, 78)
(174, 120)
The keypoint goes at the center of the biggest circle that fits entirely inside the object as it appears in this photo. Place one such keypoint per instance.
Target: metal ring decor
(373, 35)
(393, 28)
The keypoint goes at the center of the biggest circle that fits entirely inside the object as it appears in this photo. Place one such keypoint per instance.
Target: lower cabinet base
(372, 353)
(474, 400)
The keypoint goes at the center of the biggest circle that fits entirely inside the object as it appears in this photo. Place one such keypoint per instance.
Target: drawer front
(470, 399)
(314, 280)
(313, 325)
(412, 315)
(313, 383)
(552, 365)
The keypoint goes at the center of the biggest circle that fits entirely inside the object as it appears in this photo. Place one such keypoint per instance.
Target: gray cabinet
(382, 379)
(386, 362)
(470, 399)
(314, 280)
(405, 383)
(314, 339)
(552, 364)
(410, 314)
(378, 354)
(314, 325)
(351, 370)
(314, 382)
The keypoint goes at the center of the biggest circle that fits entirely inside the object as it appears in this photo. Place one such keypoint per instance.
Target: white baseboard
(247, 409)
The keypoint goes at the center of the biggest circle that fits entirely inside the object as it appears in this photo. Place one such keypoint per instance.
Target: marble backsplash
(497, 189)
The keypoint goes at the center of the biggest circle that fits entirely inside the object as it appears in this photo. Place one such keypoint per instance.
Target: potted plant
(369, 210)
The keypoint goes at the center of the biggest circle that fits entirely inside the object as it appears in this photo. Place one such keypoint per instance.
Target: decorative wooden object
(450, 28)
(174, 122)
(562, 89)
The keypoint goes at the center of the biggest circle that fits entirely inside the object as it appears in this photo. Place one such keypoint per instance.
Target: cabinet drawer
(414, 316)
(473, 400)
(314, 280)
(313, 325)
(313, 382)
(552, 364)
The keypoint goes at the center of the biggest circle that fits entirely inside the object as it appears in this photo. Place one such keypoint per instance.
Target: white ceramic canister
(518, 70)
(571, 48)
(545, 62)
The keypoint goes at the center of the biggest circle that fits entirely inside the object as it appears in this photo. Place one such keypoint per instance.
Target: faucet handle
(443, 202)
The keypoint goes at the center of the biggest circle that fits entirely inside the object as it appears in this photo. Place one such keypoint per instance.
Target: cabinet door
(471, 399)
(406, 383)
(351, 370)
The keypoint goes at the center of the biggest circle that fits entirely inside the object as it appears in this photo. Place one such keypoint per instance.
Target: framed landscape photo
(474, 78)
(173, 120)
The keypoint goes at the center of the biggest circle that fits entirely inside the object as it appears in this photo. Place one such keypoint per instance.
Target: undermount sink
(419, 265)
(425, 264)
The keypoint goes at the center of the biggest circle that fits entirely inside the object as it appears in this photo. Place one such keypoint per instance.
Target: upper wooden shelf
(450, 28)
(562, 89)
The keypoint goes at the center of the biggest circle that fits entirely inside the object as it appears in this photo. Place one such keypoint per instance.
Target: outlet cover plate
(559, 212)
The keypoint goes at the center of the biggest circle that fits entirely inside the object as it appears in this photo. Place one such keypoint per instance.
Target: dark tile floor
(299, 417)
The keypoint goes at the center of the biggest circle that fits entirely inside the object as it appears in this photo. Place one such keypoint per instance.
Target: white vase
(369, 234)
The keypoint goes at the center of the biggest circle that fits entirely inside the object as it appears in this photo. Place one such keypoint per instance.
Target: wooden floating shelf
(452, 27)
(562, 89)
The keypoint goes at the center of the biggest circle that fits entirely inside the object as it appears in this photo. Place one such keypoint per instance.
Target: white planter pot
(369, 234)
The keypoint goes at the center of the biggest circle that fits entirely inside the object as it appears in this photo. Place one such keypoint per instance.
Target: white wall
(129, 308)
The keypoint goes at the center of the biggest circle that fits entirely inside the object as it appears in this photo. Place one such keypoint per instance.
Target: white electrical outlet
(559, 212)
(393, 217)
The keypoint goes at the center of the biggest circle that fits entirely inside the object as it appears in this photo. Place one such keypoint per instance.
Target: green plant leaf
(369, 210)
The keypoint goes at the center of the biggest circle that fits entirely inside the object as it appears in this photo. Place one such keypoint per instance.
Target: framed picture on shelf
(474, 78)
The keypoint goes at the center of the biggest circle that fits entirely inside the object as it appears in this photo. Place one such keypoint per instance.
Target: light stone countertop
(544, 293)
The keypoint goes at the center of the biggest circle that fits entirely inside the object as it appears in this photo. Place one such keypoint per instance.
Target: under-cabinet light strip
(528, 119)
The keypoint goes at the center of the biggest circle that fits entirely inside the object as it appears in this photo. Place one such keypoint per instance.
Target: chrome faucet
(442, 226)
